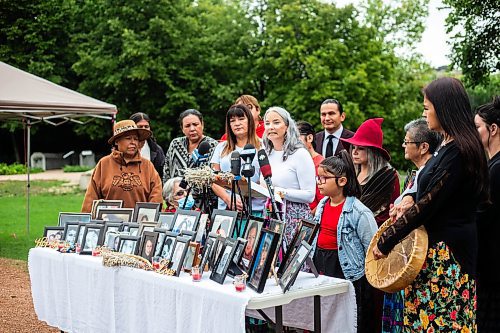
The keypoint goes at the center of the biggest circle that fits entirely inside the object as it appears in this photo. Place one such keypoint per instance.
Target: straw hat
(126, 126)
(370, 134)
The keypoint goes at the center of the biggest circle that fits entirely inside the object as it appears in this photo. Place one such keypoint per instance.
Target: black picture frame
(202, 224)
(128, 244)
(238, 254)
(111, 240)
(79, 234)
(161, 238)
(71, 232)
(306, 230)
(146, 212)
(146, 226)
(73, 217)
(115, 214)
(189, 233)
(168, 244)
(290, 274)
(252, 232)
(148, 245)
(131, 227)
(185, 220)
(110, 227)
(207, 250)
(179, 253)
(278, 227)
(92, 238)
(224, 259)
(222, 222)
(165, 220)
(53, 233)
(258, 271)
(103, 204)
(191, 259)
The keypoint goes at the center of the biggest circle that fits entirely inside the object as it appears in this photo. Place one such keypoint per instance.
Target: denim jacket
(355, 230)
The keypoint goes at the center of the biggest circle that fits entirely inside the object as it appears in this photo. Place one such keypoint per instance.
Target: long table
(76, 293)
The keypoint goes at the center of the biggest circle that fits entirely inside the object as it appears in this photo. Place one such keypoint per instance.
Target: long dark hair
(239, 110)
(341, 165)
(490, 112)
(453, 110)
(138, 116)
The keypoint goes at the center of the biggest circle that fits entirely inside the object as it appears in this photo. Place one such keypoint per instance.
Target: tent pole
(28, 160)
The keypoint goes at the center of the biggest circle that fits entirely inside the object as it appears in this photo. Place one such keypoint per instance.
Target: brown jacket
(116, 179)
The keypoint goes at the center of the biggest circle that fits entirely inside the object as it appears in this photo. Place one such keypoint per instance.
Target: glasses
(180, 192)
(322, 179)
(407, 142)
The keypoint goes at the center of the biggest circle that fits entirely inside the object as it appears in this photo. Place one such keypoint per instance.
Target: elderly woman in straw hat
(124, 174)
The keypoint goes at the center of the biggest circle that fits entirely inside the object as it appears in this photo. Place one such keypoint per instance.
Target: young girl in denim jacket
(346, 229)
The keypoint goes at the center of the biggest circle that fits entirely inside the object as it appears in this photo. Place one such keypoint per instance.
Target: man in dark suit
(328, 141)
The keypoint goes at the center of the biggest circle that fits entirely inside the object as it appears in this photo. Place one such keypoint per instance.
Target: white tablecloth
(77, 293)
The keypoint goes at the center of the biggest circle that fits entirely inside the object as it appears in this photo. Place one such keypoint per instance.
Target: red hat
(370, 134)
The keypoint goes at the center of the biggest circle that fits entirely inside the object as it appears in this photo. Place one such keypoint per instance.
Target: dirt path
(17, 313)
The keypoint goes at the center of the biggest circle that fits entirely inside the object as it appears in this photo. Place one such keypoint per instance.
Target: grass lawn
(46, 201)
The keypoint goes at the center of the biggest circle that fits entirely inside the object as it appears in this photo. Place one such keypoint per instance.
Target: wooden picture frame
(191, 258)
(115, 214)
(222, 222)
(185, 220)
(131, 227)
(71, 232)
(165, 220)
(73, 217)
(223, 260)
(290, 274)
(92, 238)
(146, 212)
(168, 244)
(306, 230)
(252, 232)
(53, 233)
(179, 253)
(127, 244)
(103, 204)
(261, 262)
(148, 245)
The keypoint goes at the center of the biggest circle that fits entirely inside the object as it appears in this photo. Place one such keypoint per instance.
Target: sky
(433, 46)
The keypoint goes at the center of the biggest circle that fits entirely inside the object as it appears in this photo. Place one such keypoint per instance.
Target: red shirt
(259, 131)
(317, 198)
(327, 237)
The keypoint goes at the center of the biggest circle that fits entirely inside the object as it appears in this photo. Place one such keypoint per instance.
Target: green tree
(476, 47)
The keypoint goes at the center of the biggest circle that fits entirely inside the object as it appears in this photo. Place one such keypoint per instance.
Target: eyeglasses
(407, 142)
(322, 179)
(180, 192)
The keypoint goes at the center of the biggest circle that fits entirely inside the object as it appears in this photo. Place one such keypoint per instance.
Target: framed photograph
(146, 226)
(202, 225)
(252, 233)
(146, 212)
(306, 231)
(223, 260)
(185, 220)
(179, 253)
(130, 227)
(165, 220)
(278, 227)
(168, 244)
(238, 254)
(223, 222)
(110, 227)
(111, 239)
(290, 273)
(73, 217)
(71, 232)
(161, 238)
(262, 259)
(127, 244)
(54, 233)
(91, 238)
(207, 250)
(189, 233)
(103, 204)
(191, 258)
(148, 245)
(79, 234)
(115, 214)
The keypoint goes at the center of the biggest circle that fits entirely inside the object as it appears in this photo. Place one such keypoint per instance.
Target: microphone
(236, 165)
(201, 154)
(247, 154)
(265, 170)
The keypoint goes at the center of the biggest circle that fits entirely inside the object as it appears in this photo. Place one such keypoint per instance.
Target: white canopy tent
(26, 97)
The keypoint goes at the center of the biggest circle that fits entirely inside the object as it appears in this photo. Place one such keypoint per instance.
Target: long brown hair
(239, 110)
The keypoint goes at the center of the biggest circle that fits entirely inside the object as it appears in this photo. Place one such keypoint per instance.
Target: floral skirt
(442, 298)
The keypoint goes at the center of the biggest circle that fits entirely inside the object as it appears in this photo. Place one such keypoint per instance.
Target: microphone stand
(276, 213)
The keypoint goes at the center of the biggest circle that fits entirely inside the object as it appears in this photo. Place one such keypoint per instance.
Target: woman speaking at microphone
(293, 167)
(240, 131)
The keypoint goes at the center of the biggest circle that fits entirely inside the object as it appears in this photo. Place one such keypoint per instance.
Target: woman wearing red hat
(379, 180)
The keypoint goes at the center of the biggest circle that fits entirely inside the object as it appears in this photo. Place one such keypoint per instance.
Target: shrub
(16, 169)
(76, 168)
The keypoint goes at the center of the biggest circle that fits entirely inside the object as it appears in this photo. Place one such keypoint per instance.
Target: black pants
(327, 263)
